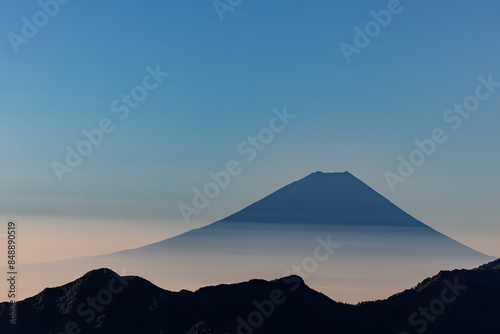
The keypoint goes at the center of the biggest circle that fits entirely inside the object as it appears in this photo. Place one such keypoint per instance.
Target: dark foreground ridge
(459, 301)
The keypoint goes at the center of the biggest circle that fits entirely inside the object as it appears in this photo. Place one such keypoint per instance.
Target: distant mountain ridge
(459, 301)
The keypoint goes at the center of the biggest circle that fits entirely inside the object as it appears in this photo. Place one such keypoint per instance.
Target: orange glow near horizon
(47, 239)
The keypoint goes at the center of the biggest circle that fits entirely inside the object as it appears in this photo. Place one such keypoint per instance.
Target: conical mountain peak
(325, 198)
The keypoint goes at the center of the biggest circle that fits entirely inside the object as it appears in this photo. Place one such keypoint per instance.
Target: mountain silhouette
(458, 301)
(491, 265)
(342, 237)
(325, 198)
(324, 203)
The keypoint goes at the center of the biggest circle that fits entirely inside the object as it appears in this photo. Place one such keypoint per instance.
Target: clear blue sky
(225, 79)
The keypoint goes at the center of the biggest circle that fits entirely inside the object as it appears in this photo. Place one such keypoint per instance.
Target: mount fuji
(342, 237)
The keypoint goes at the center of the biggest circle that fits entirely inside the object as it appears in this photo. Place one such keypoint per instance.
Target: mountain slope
(491, 265)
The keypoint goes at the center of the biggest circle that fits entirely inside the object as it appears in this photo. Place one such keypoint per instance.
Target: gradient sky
(225, 79)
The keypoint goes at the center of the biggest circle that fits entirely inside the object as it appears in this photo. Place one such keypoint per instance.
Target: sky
(202, 80)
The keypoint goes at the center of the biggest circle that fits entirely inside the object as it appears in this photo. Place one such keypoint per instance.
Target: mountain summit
(325, 198)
